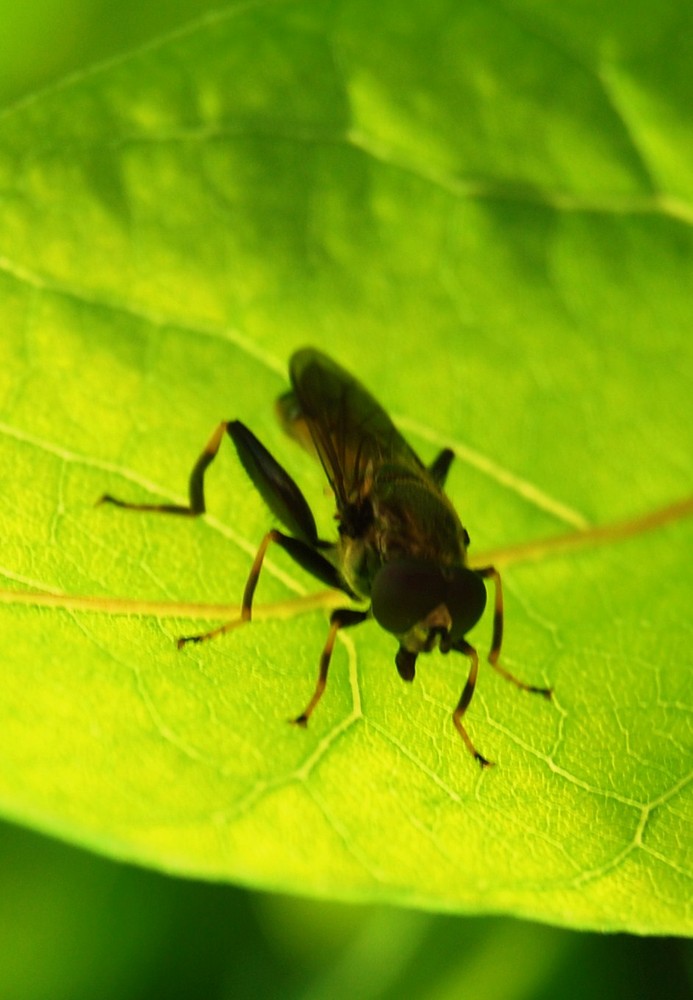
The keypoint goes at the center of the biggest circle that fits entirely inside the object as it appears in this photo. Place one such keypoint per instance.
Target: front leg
(342, 618)
(491, 573)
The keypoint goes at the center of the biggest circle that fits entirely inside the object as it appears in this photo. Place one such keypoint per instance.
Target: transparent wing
(349, 430)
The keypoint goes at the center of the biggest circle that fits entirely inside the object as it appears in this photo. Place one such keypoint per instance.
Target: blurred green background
(73, 925)
(44, 40)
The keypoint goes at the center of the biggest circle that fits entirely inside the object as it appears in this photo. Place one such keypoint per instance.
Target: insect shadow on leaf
(401, 546)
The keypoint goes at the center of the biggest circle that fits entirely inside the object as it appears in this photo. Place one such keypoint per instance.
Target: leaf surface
(485, 213)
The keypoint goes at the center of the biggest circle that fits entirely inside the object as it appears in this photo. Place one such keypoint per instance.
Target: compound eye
(466, 600)
(405, 591)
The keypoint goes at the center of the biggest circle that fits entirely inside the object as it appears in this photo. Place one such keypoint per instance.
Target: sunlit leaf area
(485, 214)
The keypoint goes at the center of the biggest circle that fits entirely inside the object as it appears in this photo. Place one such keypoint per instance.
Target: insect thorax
(404, 516)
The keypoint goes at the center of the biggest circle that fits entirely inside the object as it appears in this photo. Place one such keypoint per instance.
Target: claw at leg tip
(185, 639)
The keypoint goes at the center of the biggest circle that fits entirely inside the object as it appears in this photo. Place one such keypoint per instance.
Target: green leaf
(486, 215)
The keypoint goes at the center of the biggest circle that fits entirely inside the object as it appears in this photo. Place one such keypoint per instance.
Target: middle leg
(299, 551)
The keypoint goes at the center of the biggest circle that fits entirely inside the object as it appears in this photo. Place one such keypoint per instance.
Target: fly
(401, 547)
